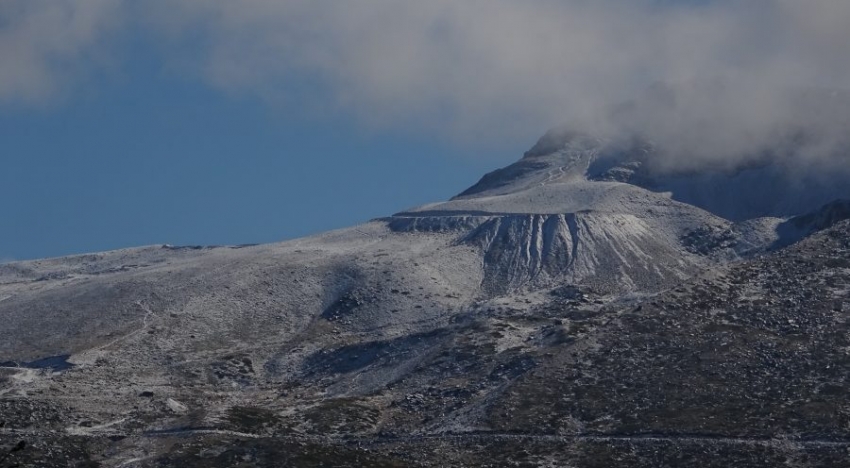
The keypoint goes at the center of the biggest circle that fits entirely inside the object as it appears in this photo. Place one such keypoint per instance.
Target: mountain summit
(585, 304)
(777, 182)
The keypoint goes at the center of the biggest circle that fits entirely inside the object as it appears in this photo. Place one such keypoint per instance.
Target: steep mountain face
(546, 220)
(568, 310)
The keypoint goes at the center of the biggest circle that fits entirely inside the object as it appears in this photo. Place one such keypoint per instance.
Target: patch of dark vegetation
(251, 419)
(673, 453)
(59, 275)
(16, 272)
(709, 239)
(581, 315)
(376, 353)
(271, 452)
(344, 306)
(25, 413)
(527, 452)
(341, 416)
(237, 369)
(513, 369)
(52, 452)
(570, 293)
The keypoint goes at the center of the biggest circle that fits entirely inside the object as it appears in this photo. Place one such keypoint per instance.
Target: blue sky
(135, 154)
(126, 123)
(150, 158)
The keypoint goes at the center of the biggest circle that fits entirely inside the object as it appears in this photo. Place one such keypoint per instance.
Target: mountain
(581, 307)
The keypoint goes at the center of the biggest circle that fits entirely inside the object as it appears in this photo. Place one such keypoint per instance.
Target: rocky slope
(562, 312)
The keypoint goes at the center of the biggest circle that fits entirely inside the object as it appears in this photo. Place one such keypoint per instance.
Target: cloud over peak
(475, 69)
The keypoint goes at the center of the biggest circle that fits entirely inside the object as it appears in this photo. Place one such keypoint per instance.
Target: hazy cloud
(736, 71)
(44, 44)
(475, 68)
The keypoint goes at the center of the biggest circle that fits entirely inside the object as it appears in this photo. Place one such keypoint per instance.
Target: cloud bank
(45, 44)
(710, 78)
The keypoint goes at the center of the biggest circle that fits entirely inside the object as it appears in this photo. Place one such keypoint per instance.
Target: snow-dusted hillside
(347, 315)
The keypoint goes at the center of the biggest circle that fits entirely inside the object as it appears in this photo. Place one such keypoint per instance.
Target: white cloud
(475, 69)
(497, 68)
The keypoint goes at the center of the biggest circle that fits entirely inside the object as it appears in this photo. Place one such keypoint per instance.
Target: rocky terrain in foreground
(556, 314)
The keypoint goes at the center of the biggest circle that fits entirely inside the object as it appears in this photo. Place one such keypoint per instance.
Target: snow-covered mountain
(367, 330)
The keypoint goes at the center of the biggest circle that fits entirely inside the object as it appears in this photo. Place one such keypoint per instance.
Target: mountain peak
(562, 138)
(559, 154)
(754, 187)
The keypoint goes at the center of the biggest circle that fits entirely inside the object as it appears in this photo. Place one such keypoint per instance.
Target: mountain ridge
(511, 309)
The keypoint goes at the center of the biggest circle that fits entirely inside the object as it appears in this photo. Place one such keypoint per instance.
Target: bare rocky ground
(612, 326)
